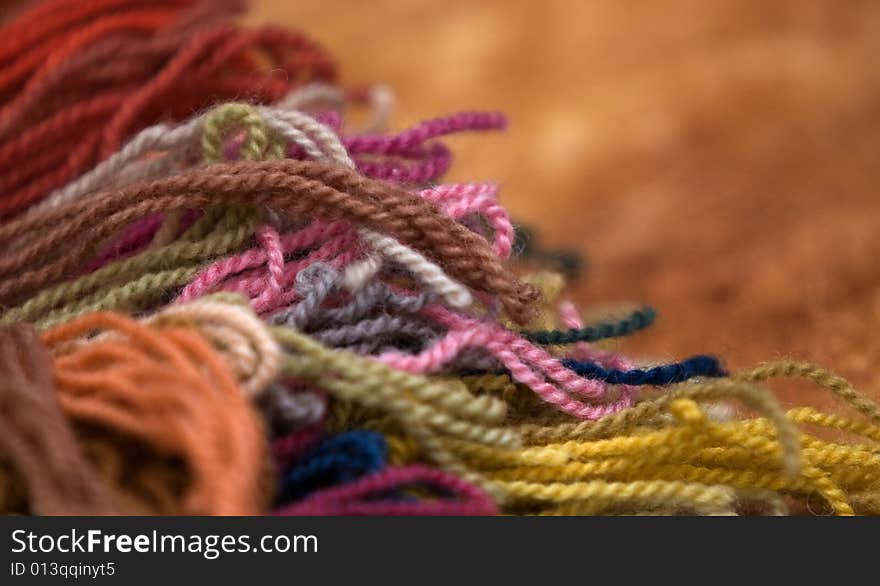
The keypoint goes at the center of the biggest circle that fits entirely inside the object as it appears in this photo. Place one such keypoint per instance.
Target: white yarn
(382, 102)
(358, 273)
(160, 137)
(310, 96)
(299, 409)
(238, 332)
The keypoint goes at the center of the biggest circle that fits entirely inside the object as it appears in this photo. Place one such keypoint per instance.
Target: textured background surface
(716, 159)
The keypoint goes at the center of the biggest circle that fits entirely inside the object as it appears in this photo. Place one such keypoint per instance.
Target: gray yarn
(315, 283)
(318, 281)
(380, 346)
(376, 295)
(383, 326)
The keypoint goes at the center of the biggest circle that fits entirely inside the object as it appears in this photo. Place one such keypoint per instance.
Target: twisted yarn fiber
(336, 460)
(362, 497)
(707, 366)
(37, 441)
(88, 76)
(233, 308)
(169, 389)
(637, 320)
(293, 188)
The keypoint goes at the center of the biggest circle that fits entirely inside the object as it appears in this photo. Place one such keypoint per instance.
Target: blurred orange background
(718, 160)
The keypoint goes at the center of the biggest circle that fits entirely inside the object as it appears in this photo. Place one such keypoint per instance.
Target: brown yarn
(145, 481)
(36, 440)
(294, 188)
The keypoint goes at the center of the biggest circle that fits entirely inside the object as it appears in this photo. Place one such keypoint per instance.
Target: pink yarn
(337, 252)
(571, 318)
(527, 363)
(414, 137)
(405, 157)
(209, 280)
(269, 239)
(462, 199)
(330, 118)
(260, 273)
(430, 163)
(363, 497)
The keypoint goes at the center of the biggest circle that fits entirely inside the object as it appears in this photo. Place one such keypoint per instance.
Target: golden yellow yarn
(665, 455)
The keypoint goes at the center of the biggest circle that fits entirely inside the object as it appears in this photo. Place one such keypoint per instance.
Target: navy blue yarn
(336, 460)
(637, 320)
(667, 374)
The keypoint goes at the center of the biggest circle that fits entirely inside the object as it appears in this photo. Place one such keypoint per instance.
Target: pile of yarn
(220, 298)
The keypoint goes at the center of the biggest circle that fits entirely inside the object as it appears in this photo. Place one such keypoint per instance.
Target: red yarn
(38, 33)
(80, 77)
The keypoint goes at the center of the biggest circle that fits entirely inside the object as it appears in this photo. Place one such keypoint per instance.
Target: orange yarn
(168, 388)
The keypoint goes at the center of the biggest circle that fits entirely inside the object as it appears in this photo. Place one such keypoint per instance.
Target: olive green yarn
(132, 297)
(233, 116)
(130, 279)
(136, 283)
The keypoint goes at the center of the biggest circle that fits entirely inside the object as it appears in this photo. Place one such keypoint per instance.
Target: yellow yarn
(637, 460)
(673, 468)
(597, 495)
(823, 377)
(663, 456)
(696, 466)
(743, 455)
